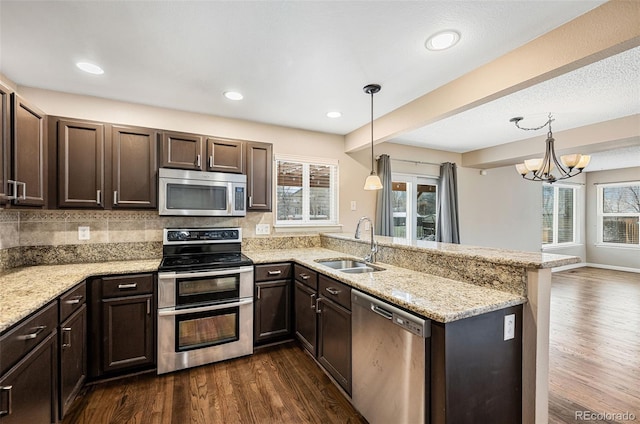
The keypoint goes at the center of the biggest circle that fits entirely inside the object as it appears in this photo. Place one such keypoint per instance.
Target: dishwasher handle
(382, 312)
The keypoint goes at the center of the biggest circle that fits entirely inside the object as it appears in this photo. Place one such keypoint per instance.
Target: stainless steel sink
(350, 266)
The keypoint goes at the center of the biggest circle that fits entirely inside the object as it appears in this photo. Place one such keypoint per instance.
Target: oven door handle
(196, 274)
(175, 312)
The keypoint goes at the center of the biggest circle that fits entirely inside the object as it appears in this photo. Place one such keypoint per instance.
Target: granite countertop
(529, 260)
(24, 290)
(433, 297)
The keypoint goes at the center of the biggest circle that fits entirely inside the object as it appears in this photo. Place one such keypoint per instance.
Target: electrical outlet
(509, 326)
(353, 205)
(263, 229)
(84, 233)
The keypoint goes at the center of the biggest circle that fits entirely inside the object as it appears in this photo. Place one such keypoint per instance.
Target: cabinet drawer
(271, 272)
(306, 276)
(127, 285)
(19, 341)
(72, 300)
(335, 290)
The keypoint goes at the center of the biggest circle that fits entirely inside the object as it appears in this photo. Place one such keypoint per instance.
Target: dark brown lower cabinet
(73, 357)
(272, 311)
(28, 390)
(334, 341)
(122, 325)
(305, 316)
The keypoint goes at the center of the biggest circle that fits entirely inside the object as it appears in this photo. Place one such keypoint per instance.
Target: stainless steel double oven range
(205, 298)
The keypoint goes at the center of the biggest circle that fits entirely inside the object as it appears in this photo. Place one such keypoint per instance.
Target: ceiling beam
(604, 31)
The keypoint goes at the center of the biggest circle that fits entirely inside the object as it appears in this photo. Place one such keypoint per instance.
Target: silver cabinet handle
(318, 310)
(332, 291)
(39, 329)
(67, 331)
(148, 306)
(313, 303)
(250, 201)
(115, 197)
(210, 161)
(198, 161)
(127, 286)
(278, 272)
(258, 295)
(98, 196)
(304, 276)
(14, 194)
(74, 300)
(7, 390)
(24, 189)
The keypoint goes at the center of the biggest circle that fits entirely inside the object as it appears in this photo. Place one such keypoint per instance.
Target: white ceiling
(296, 60)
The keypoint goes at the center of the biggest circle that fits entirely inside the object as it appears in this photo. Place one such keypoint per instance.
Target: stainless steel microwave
(197, 193)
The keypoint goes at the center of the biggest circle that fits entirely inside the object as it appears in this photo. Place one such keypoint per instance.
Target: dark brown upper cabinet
(225, 155)
(259, 178)
(134, 167)
(183, 151)
(81, 164)
(27, 151)
(5, 141)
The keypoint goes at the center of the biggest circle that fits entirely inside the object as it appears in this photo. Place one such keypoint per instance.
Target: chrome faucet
(371, 257)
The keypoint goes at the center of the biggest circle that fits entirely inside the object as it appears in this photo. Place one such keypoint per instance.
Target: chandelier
(548, 169)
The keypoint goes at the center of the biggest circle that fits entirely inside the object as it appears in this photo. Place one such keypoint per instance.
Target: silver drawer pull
(74, 300)
(66, 343)
(7, 390)
(278, 272)
(332, 291)
(304, 276)
(258, 295)
(127, 286)
(39, 329)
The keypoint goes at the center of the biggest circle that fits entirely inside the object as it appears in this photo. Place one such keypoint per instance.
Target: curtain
(384, 208)
(447, 228)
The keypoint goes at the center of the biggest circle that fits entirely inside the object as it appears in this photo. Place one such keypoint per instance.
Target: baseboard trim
(613, 267)
(567, 267)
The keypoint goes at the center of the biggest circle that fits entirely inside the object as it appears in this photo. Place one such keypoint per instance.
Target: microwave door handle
(230, 198)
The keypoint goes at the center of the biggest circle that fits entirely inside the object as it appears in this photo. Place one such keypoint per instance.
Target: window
(558, 214)
(619, 213)
(414, 207)
(306, 191)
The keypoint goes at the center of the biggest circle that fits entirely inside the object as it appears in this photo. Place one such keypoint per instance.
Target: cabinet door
(5, 144)
(29, 144)
(259, 178)
(334, 341)
(305, 321)
(128, 332)
(81, 158)
(272, 310)
(28, 390)
(134, 167)
(224, 155)
(183, 151)
(73, 357)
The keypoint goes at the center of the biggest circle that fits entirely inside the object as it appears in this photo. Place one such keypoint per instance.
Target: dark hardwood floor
(279, 384)
(594, 345)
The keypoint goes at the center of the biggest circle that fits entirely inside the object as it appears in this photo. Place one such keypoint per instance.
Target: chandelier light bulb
(583, 162)
(570, 161)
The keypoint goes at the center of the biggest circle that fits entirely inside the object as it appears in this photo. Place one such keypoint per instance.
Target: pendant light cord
(372, 160)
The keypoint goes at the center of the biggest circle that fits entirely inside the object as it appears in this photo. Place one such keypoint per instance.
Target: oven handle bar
(196, 274)
(174, 312)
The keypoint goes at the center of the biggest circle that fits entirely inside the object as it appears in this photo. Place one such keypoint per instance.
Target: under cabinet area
(122, 324)
(273, 300)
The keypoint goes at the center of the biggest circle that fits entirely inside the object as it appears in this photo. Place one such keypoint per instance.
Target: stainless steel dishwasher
(390, 367)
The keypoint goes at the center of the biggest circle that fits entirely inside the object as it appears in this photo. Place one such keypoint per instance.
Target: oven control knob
(183, 235)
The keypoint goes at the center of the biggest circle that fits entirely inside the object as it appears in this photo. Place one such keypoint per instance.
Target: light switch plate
(353, 205)
(263, 229)
(509, 326)
(84, 233)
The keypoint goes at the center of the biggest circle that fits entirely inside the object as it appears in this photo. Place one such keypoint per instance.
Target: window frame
(600, 215)
(555, 221)
(334, 187)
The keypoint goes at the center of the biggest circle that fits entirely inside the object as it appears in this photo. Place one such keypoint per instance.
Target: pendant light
(541, 168)
(373, 181)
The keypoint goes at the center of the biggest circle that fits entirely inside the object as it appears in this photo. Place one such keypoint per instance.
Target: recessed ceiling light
(443, 40)
(334, 114)
(233, 95)
(90, 68)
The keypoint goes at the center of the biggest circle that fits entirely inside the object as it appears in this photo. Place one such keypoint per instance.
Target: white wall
(604, 255)
(499, 209)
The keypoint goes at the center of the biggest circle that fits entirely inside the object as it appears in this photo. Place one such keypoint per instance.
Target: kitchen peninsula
(445, 283)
